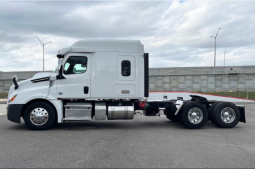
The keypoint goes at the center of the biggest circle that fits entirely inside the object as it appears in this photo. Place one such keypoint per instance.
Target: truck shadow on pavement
(116, 125)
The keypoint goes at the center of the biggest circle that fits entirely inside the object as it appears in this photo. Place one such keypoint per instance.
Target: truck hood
(37, 76)
(41, 75)
(29, 89)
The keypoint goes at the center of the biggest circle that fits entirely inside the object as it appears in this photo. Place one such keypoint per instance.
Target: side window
(75, 65)
(125, 68)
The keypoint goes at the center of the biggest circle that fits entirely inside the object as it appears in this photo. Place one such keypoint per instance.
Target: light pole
(224, 55)
(43, 44)
(215, 47)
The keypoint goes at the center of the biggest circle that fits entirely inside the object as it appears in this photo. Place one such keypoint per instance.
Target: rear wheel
(169, 111)
(193, 115)
(210, 112)
(226, 115)
(173, 118)
(39, 116)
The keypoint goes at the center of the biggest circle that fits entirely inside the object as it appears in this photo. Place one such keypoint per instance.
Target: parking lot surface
(145, 142)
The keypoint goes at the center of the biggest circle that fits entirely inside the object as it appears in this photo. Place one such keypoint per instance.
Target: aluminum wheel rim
(195, 115)
(228, 115)
(39, 116)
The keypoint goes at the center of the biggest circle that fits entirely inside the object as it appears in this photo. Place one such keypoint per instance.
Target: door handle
(86, 89)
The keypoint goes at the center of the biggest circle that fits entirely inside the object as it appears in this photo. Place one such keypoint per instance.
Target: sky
(175, 33)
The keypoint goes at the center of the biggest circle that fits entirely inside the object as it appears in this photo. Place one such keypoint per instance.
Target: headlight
(12, 98)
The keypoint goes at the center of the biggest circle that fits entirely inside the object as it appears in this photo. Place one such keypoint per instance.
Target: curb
(3, 101)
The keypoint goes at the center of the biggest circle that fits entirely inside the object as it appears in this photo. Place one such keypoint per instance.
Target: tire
(195, 121)
(39, 116)
(210, 112)
(173, 118)
(180, 112)
(230, 119)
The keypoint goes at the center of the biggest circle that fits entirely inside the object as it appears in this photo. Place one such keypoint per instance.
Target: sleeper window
(125, 68)
(75, 65)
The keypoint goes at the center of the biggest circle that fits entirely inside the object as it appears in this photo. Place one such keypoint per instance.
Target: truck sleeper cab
(106, 79)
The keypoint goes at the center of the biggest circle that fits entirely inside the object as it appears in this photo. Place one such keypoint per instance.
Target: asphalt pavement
(145, 142)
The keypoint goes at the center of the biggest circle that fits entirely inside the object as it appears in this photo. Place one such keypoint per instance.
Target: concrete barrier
(203, 79)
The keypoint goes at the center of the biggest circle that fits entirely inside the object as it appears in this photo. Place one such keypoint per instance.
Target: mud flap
(242, 113)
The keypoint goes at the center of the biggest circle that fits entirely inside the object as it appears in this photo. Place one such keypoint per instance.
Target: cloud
(175, 33)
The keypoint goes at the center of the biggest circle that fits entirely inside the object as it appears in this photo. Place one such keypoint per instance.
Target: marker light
(13, 97)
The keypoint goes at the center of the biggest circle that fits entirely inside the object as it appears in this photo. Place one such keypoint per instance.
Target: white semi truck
(106, 80)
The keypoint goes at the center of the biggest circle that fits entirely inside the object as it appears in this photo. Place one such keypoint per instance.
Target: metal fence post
(246, 92)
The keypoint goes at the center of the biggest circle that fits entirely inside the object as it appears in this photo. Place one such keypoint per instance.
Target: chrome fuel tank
(120, 112)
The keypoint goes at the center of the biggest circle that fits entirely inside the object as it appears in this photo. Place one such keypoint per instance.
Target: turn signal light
(13, 97)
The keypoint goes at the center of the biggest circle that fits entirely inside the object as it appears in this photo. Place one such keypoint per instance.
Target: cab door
(76, 70)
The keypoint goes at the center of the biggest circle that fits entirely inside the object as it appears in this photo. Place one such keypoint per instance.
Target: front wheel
(193, 115)
(39, 116)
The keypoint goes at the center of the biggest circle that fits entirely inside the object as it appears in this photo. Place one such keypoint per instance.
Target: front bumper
(14, 112)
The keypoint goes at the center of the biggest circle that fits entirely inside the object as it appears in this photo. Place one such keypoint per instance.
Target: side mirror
(60, 69)
(15, 80)
(60, 63)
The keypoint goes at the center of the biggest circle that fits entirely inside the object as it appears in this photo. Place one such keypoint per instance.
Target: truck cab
(90, 73)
